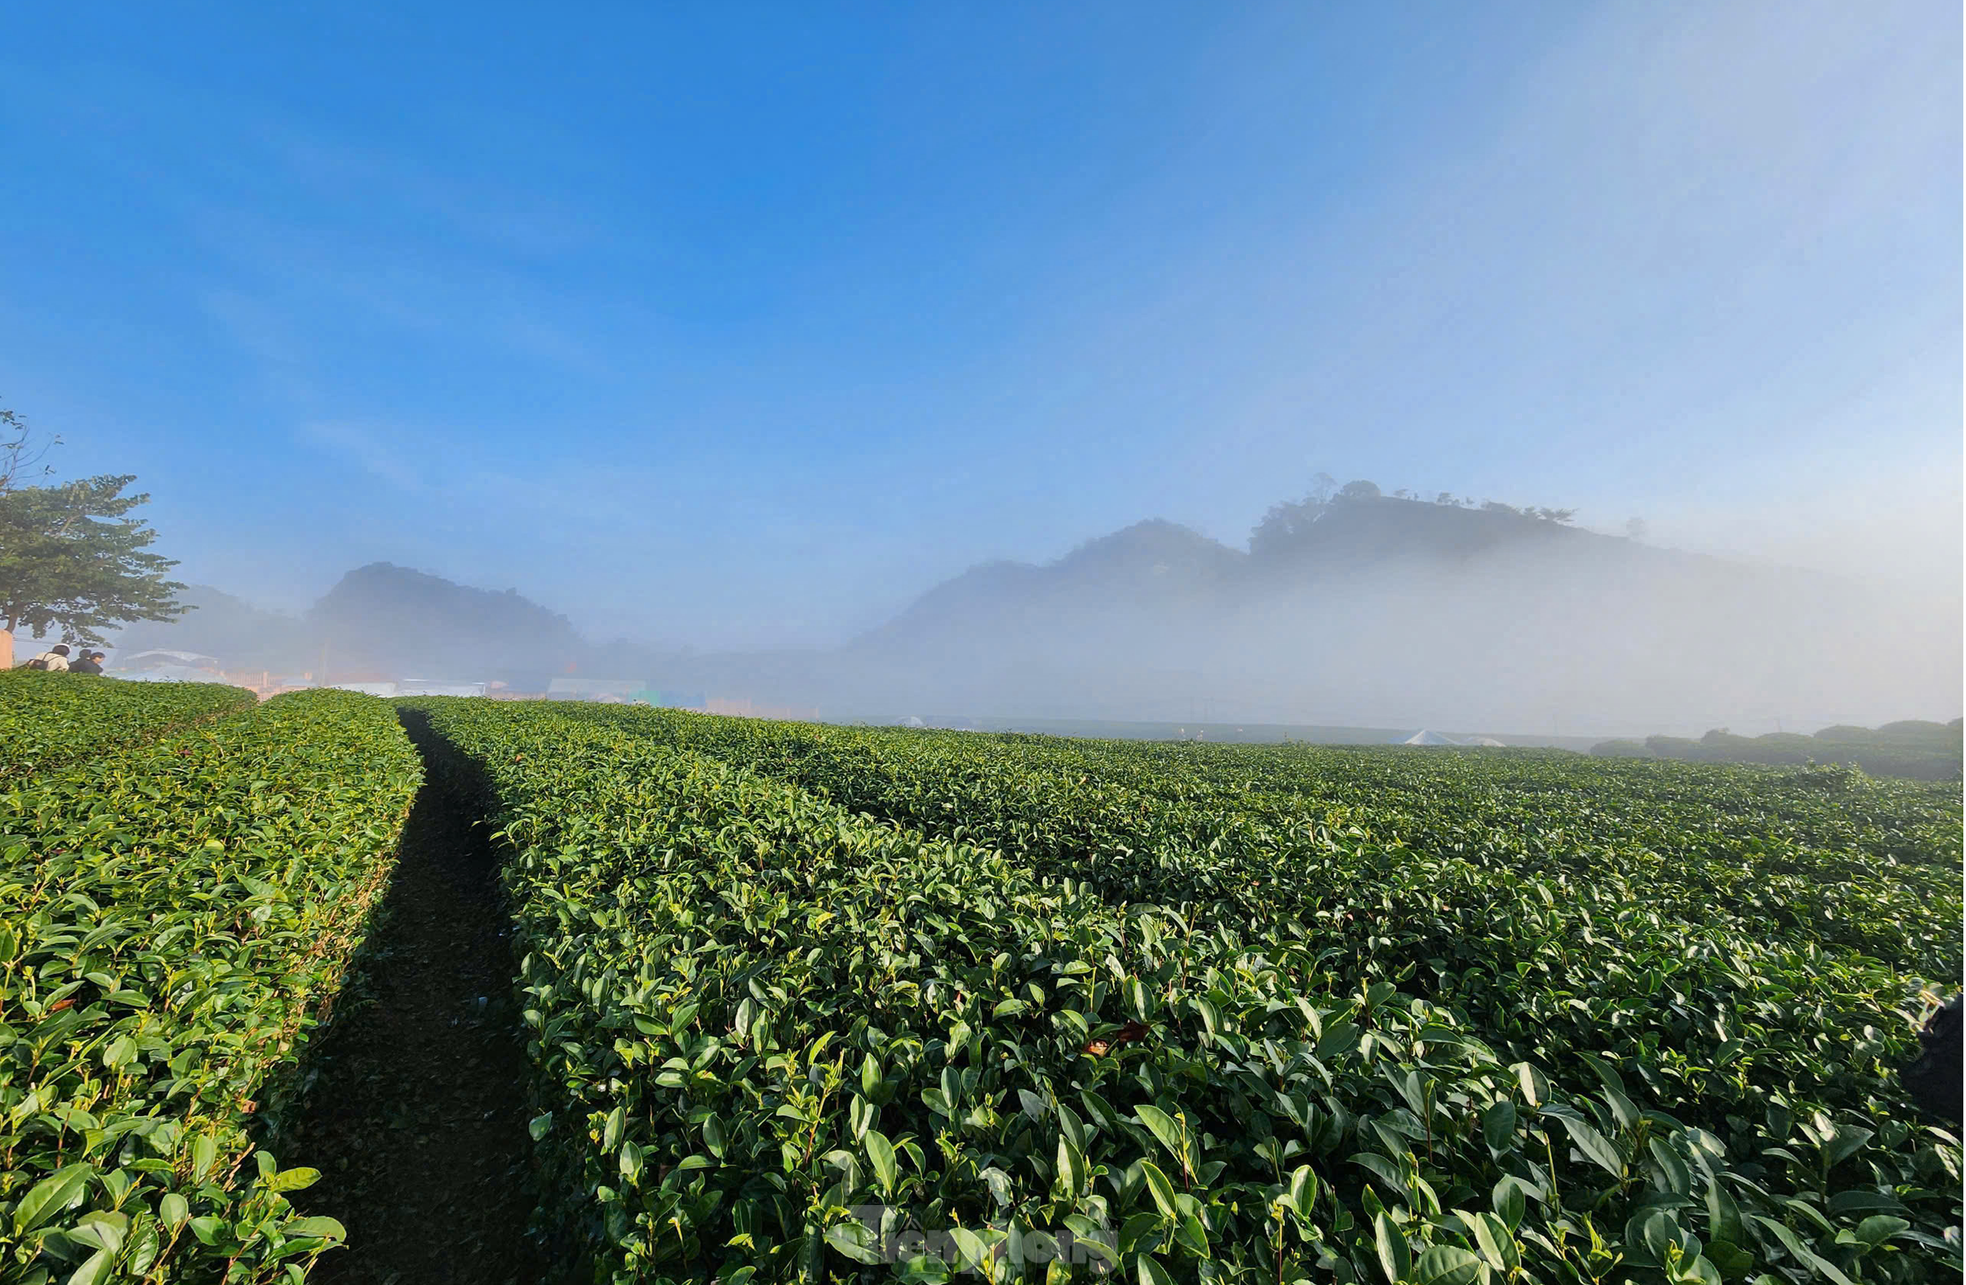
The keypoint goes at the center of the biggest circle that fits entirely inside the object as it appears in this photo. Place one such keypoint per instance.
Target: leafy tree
(20, 455)
(72, 559)
(1283, 524)
(1291, 518)
(1359, 490)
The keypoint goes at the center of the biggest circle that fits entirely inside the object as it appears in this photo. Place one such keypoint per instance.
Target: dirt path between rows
(415, 1111)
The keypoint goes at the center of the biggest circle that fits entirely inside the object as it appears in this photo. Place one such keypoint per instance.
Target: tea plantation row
(806, 1001)
(173, 918)
(1824, 856)
(809, 1001)
(48, 719)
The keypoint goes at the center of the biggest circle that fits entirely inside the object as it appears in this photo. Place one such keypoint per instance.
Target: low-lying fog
(1364, 611)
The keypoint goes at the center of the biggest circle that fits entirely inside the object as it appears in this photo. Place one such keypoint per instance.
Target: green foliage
(72, 559)
(47, 719)
(20, 457)
(173, 920)
(1234, 1012)
(1772, 858)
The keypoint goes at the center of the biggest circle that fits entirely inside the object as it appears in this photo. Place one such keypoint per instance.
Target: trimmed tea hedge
(172, 920)
(1723, 960)
(48, 719)
(755, 1012)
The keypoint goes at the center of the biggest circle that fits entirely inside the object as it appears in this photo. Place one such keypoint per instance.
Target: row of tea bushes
(762, 1024)
(49, 719)
(1830, 859)
(1821, 854)
(1593, 950)
(173, 919)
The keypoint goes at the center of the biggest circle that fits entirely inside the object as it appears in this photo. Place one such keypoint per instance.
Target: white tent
(150, 659)
(1425, 737)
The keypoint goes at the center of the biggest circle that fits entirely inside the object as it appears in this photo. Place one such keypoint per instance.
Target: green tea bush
(774, 1037)
(1725, 960)
(173, 919)
(48, 719)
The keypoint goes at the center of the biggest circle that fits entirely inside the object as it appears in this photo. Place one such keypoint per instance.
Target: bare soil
(414, 1107)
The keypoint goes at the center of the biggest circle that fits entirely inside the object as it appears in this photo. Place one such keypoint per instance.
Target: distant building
(1425, 737)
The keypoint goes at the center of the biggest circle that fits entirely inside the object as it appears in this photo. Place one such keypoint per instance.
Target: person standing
(91, 663)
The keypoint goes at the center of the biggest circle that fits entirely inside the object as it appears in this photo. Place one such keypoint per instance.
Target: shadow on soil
(414, 1102)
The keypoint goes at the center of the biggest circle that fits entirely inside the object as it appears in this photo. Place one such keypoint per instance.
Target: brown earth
(414, 1105)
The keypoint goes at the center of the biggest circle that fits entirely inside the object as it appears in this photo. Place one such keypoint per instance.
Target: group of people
(57, 658)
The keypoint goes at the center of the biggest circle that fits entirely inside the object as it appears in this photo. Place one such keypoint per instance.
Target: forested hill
(1163, 564)
(410, 622)
(222, 626)
(378, 620)
(1912, 748)
(1384, 610)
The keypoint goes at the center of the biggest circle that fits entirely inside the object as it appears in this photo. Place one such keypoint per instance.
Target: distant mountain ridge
(413, 623)
(1912, 748)
(379, 619)
(1151, 561)
(1358, 609)
(223, 626)
(1157, 561)
(1381, 610)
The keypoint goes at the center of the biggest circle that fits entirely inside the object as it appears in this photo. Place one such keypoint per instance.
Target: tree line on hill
(1290, 520)
(1912, 748)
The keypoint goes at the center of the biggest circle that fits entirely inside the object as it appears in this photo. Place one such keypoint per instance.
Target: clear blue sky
(744, 323)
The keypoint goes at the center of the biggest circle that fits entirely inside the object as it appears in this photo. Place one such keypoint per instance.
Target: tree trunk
(6, 649)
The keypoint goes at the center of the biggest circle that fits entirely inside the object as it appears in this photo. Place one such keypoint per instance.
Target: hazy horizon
(1392, 616)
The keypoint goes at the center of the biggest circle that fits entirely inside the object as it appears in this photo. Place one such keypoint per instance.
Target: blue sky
(743, 324)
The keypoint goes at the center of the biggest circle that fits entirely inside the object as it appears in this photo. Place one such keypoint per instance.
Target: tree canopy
(1289, 521)
(71, 559)
(20, 454)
